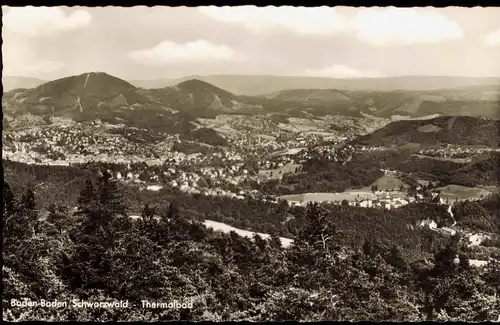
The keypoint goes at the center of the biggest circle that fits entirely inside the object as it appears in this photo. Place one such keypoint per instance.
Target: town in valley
(331, 194)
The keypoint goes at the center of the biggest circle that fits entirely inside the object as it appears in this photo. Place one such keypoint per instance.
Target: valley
(237, 149)
(259, 174)
(250, 164)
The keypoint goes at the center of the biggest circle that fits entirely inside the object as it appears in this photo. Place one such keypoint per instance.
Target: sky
(146, 43)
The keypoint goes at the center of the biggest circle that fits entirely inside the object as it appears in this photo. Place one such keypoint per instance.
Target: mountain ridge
(95, 95)
(19, 82)
(264, 84)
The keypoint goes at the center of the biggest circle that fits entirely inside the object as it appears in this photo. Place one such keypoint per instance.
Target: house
(431, 224)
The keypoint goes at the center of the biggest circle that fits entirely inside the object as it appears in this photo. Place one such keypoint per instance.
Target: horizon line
(259, 75)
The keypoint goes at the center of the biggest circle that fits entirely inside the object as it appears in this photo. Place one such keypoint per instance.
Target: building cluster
(383, 200)
(455, 152)
(71, 143)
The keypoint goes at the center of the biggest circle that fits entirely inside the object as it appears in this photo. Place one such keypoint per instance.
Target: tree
(87, 198)
(110, 196)
(58, 215)
(463, 263)
(9, 200)
(318, 230)
(144, 176)
(371, 249)
(492, 276)
(275, 241)
(47, 119)
(444, 260)
(396, 258)
(172, 211)
(19, 223)
(28, 200)
(148, 212)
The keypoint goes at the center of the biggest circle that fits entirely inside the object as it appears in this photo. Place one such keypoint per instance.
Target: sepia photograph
(251, 163)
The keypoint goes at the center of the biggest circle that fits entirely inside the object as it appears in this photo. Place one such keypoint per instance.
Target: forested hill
(98, 254)
(455, 130)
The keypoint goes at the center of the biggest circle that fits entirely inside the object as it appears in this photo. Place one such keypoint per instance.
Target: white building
(431, 224)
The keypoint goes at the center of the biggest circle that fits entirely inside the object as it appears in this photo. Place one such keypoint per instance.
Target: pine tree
(396, 258)
(19, 222)
(318, 230)
(9, 200)
(9, 222)
(275, 241)
(58, 216)
(492, 276)
(87, 198)
(148, 212)
(109, 195)
(172, 211)
(28, 200)
(464, 263)
(444, 260)
(369, 249)
(101, 207)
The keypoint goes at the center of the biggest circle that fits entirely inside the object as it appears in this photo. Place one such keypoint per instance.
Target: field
(457, 160)
(291, 151)
(305, 125)
(334, 197)
(278, 172)
(459, 192)
(389, 183)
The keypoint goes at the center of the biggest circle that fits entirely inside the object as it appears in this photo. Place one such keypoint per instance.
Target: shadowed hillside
(200, 98)
(455, 130)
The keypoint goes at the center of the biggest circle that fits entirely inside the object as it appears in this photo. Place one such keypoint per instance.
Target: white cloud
(318, 20)
(168, 51)
(493, 38)
(380, 27)
(403, 26)
(342, 71)
(42, 67)
(44, 21)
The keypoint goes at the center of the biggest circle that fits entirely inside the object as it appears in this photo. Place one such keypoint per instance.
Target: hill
(455, 130)
(84, 92)
(15, 82)
(471, 101)
(265, 84)
(481, 171)
(484, 171)
(91, 96)
(201, 99)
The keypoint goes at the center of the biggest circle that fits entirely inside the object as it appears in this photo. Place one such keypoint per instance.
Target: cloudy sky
(163, 42)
